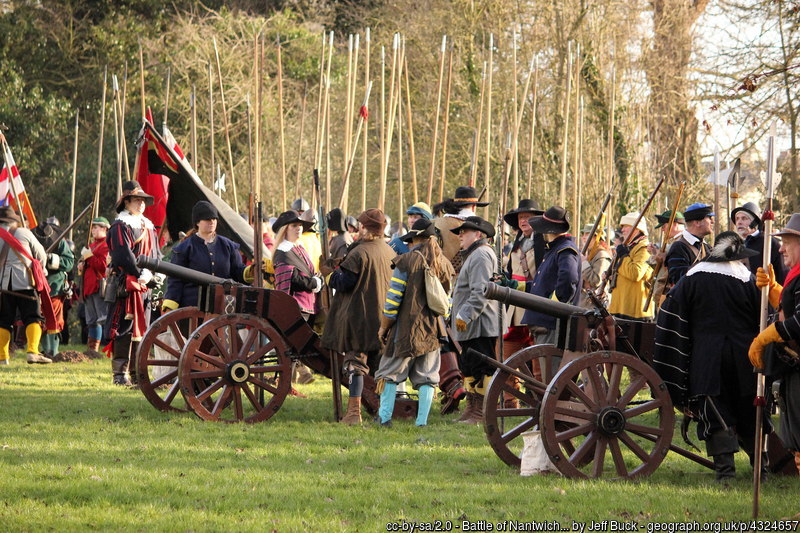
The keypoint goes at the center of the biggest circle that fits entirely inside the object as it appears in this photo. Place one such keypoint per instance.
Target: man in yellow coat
(630, 280)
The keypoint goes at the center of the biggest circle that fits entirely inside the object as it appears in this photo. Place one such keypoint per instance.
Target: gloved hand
(461, 325)
(764, 279)
(86, 253)
(327, 266)
(145, 277)
(317, 283)
(503, 281)
(756, 352)
(623, 251)
(53, 262)
(168, 305)
(383, 330)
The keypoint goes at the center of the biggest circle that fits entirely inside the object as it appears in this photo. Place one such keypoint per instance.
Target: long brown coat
(355, 316)
(417, 329)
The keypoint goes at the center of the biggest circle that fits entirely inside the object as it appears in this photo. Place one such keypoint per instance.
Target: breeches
(422, 370)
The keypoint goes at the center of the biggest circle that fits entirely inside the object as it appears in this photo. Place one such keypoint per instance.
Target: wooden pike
(577, 129)
(436, 119)
(517, 125)
(320, 106)
(100, 143)
(410, 122)
(193, 128)
(518, 105)
(473, 175)
(211, 122)
(716, 192)
(166, 96)
(532, 140)
(365, 153)
(400, 195)
(488, 170)
(579, 171)
(446, 120)
(226, 126)
(117, 135)
(562, 198)
(328, 122)
(382, 118)
(257, 84)
(612, 164)
(74, 173)
(300, 142)
(282, 135)
(251, 204)
(123, 109)
(361, 120)
(141, 82)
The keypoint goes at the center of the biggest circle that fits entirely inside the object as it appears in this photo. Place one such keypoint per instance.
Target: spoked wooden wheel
(158, 354)
(504, 425)
(628, 413)
(234, 368)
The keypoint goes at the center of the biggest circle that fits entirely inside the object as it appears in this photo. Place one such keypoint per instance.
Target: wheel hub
(237, 371)
(611, 421)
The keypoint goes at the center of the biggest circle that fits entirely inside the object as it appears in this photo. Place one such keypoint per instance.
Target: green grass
(77, 453)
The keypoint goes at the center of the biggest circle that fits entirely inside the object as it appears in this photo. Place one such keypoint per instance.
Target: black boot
(721, 445)
(133, 367)
(724, 467)
(120, 360)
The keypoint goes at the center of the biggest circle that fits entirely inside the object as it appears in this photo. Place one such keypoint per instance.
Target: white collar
(135, 221)
(286, 246)
(754, 234)
(691, 239)
(734, 269)
(463, 214)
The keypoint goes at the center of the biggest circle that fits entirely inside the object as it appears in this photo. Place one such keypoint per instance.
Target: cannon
(593, 394)
(230, 357)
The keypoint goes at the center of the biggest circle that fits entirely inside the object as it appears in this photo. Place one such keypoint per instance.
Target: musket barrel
(176, 271)
(531, 302)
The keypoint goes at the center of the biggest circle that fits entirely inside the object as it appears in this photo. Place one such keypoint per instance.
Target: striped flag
(15, 185)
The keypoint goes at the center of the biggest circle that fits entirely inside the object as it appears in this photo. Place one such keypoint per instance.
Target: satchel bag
(436, 297)
(115, 287)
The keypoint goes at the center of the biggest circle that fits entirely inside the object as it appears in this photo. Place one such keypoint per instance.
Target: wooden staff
(141, 83)
(577, 130)
(389, 120)
(664, 240)
(352, 95)
(300, 142)
(117, 141)
(100, 144)
(579, 170)
(562, 198)
(320, 106)
(282, 135)
(251, 204)
(516, 108)
(348, 106)
(476, 140)
(225, 125)
(193, 129)
(517, 125)
(611, 144)
(211, 121)
(123, 109)
(365, 153)
(363, 113)
(488, 170)
(411, 151)
(436, 119)
(716, 192)
(328, 122)
(166, 96)
(382, 119)
(257, 84)
(400, 196)
(760, 400)
(534, 105)
(446, 120)
(74, 173)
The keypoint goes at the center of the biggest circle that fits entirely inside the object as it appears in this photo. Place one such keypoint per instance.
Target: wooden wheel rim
(505, 440)
(211, 379)
(161, 391)
(603, 417)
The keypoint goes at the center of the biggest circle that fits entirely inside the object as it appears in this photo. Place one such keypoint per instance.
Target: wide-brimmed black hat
(729, 246)
(791, 228)
(467, 196)
(698, 211)
(664, 217)
(132, 189)
(8, 215)
(554, 220)
(422, 229)
(476, 223)
(751, 209)
(336, 220)
(204, 210)
(290, 217)
(525, 206)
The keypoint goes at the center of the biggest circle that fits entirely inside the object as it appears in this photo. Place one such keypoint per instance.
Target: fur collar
(135, 221)
(734, 269)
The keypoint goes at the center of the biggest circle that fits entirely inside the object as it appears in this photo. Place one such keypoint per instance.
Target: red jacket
(95, 267)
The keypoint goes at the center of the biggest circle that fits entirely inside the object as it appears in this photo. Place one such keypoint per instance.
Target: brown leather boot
(476, 416)
(93, 349)
(469, 410)
(353, 415)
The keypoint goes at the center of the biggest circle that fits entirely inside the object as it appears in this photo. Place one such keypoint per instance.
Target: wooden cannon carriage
(593, 394)
(230, 358)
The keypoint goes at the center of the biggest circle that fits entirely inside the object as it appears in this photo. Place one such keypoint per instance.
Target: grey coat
(469, 303)
(13, 269)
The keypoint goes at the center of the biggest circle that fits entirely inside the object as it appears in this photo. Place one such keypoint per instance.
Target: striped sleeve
(394, 296)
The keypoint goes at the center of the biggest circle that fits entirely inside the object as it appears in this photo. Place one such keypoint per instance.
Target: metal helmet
(53, 220)
(300, 205)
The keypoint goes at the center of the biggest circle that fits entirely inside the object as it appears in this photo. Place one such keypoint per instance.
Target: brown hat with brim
(526, 205)
(132, 189)
(791, 228)
(8, 215)
(373, 220)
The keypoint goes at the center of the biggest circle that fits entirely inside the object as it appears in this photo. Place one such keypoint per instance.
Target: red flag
(152, 183)
(7, 192)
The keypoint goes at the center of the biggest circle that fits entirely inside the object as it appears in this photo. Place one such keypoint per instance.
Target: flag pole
(446, 119)
(225, 125)
(74, 173)
(436, 119)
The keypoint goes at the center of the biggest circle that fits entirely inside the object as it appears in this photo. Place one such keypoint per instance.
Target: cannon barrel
(531, 302)
(182, 273)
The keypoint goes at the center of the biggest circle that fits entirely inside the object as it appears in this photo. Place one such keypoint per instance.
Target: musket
(597, 220)
(615, 264)
(326, 298)
(69, 228)
(760, 401)
(664, 237)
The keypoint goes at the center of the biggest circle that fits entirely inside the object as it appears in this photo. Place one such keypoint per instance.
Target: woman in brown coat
(409, 329)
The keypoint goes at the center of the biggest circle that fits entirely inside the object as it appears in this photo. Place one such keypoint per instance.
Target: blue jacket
(559, 274)
(220, 258)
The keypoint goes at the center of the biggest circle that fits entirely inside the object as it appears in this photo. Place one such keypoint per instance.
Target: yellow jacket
(633, 275)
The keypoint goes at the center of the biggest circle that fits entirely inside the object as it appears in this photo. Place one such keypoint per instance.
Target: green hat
(663, 218)
(101, 221)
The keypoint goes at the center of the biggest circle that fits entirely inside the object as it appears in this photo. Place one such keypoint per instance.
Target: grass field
(78, 454)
